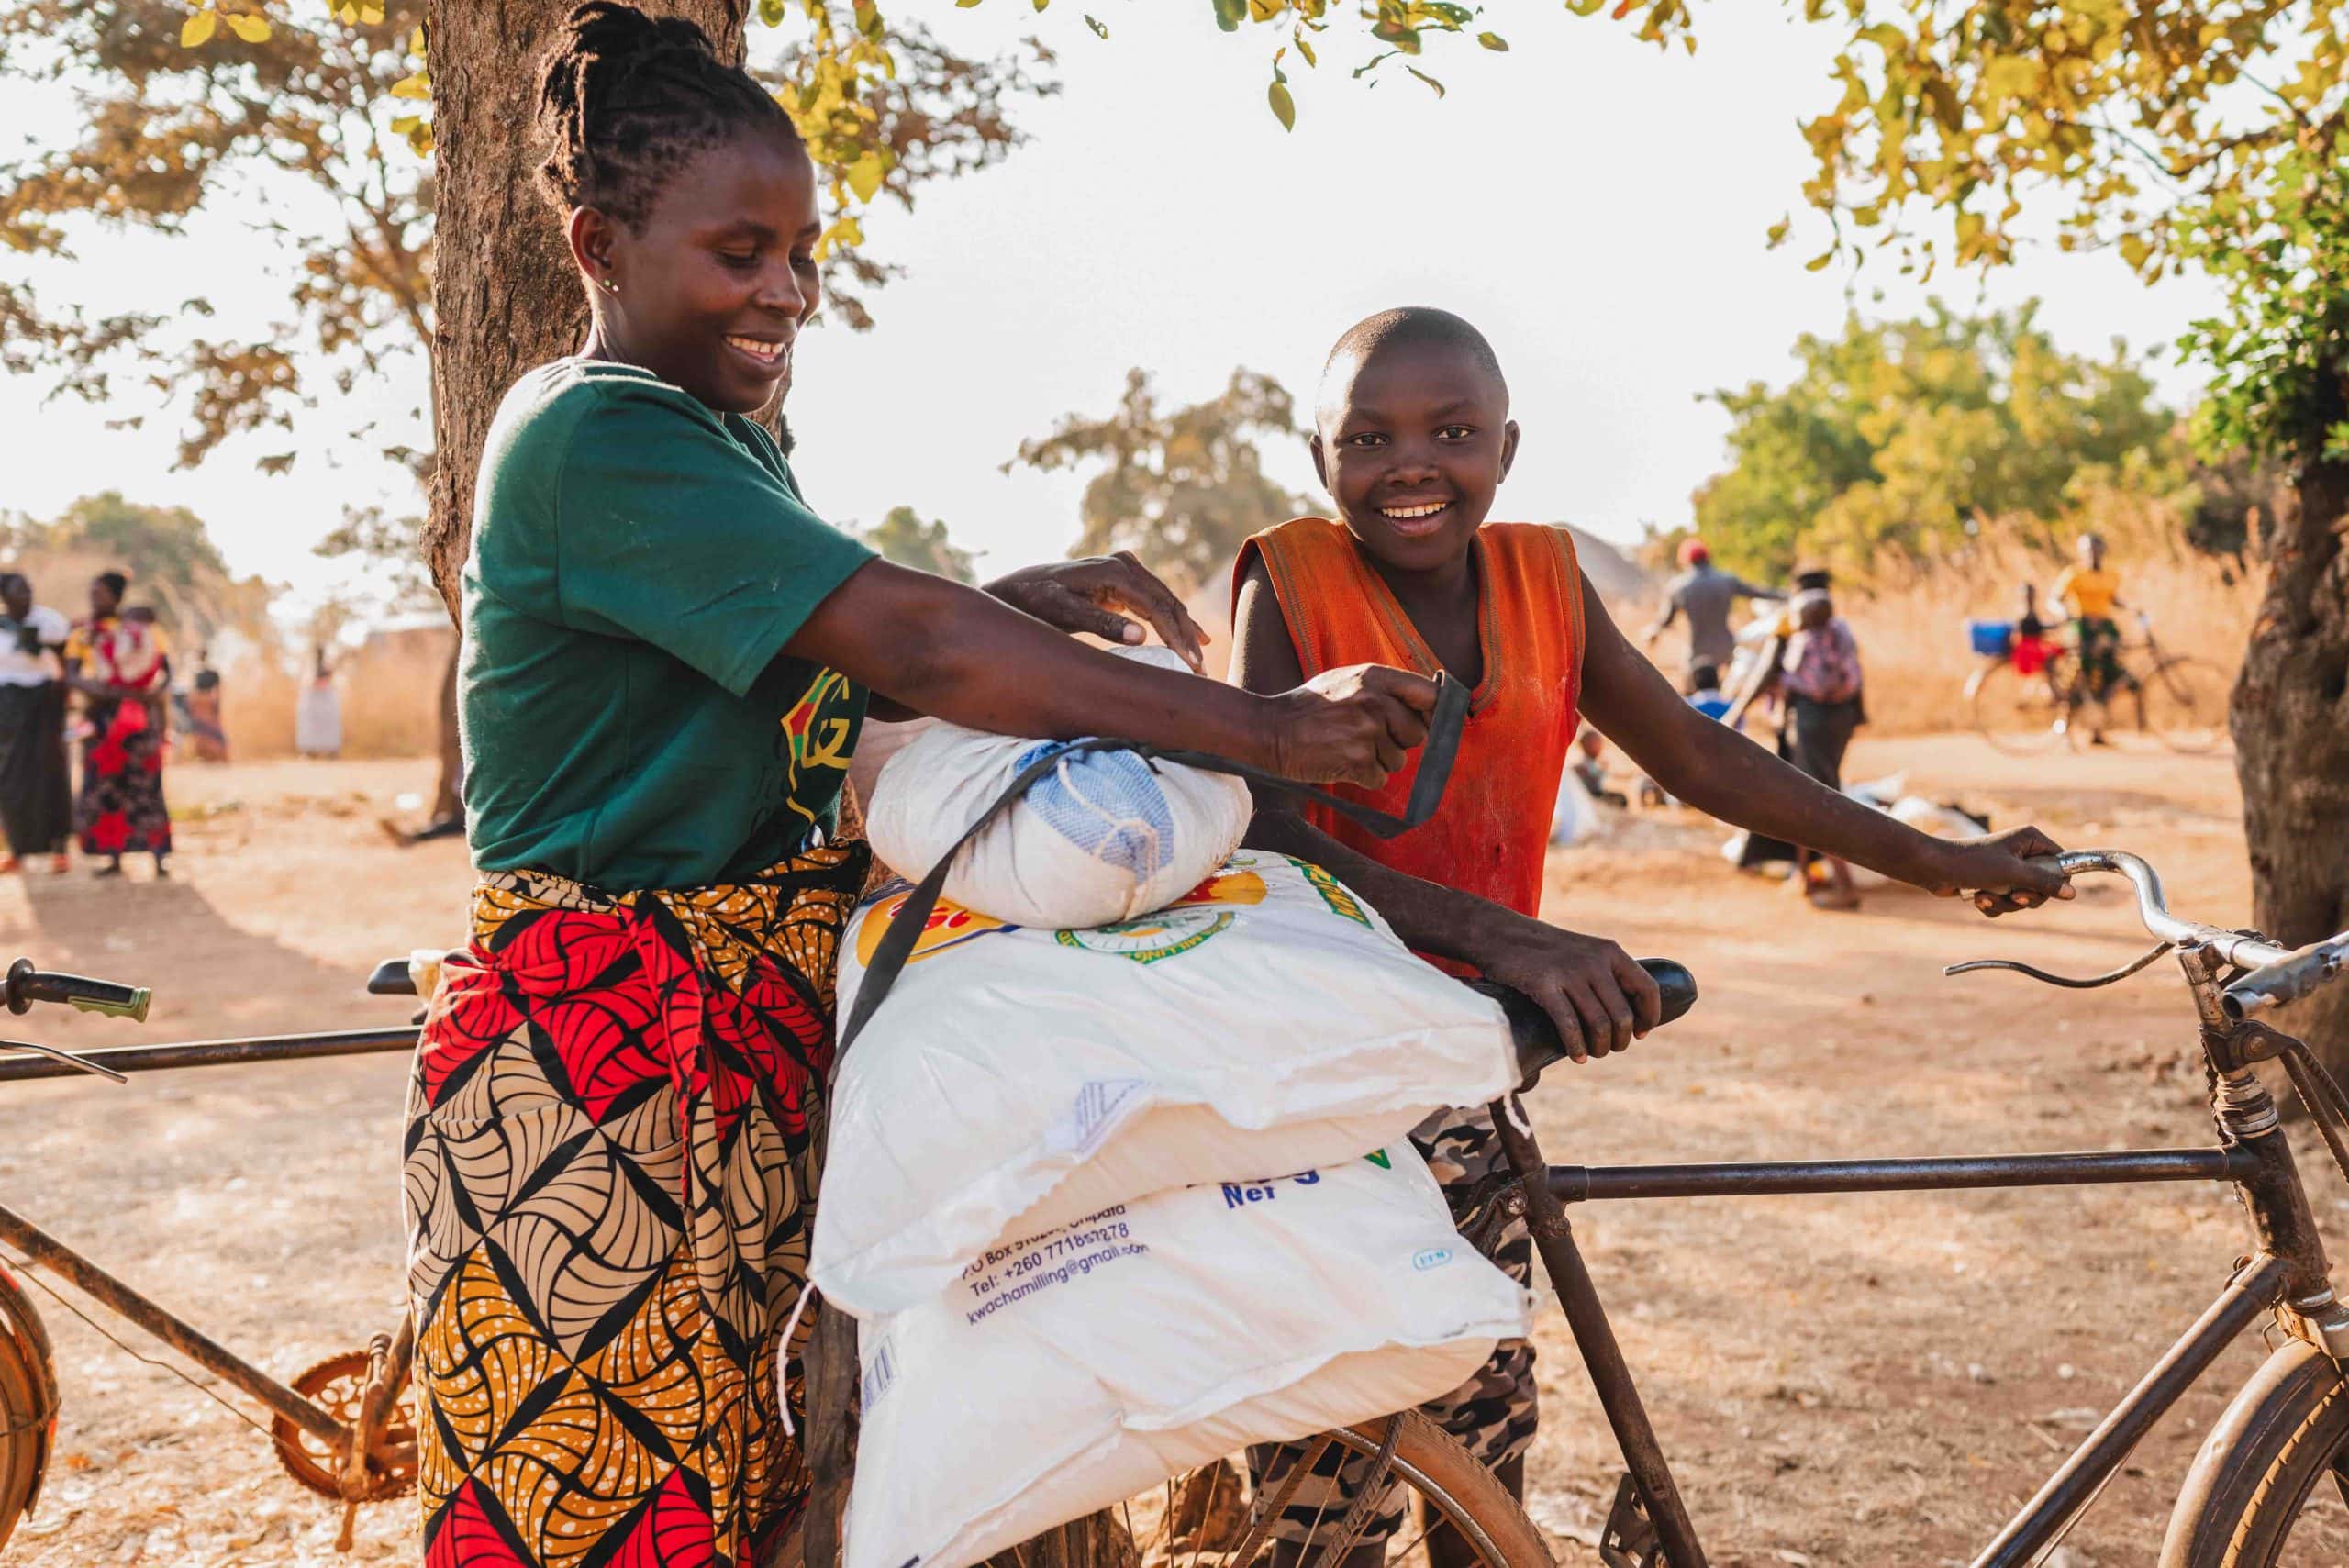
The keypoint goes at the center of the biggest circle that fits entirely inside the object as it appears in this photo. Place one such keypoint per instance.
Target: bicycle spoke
(1264, 1518)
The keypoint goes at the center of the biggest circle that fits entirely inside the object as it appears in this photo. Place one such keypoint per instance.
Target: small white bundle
(1106, 836)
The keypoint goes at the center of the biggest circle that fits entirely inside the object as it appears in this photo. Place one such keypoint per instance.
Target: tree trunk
(504, 290)
(447, 796)
(2291, 727)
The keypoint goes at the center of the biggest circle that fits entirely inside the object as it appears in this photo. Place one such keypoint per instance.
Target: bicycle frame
(118, 1298)
(2287, 1273)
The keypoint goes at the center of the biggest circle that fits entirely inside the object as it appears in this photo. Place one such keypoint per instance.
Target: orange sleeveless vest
(1490, 834)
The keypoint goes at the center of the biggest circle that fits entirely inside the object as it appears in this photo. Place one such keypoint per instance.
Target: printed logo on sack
(1431, 1258)
(1227, 886)
(1170, 933)
(1340, 901)
(1108, 804)
(949, 924)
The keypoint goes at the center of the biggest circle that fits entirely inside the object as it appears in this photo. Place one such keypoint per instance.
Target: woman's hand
(1353, 725)
(1995, 871)
(1097, 595)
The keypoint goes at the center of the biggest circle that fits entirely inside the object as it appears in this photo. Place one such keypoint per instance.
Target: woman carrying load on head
(667, 661)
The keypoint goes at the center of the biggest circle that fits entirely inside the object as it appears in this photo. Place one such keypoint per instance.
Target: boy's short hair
(1705, 678)
(1401, 327)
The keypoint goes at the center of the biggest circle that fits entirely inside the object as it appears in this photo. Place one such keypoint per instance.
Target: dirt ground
(1870, 1380)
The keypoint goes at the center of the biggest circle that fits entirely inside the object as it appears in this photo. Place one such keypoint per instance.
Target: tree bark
(2290, 717)
(504, 288)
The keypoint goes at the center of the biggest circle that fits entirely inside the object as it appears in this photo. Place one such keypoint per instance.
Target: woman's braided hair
(626, 100)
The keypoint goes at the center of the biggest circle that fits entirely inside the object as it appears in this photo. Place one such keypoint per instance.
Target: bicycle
(345, 1428)
(2180, 700)
(2286, 1431)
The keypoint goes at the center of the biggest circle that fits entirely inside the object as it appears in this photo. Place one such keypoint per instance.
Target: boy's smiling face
(1412, 437)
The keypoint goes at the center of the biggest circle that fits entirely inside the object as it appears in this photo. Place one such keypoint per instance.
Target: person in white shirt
(36, 782)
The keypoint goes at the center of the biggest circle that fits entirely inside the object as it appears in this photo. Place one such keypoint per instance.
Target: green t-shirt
(637, 562)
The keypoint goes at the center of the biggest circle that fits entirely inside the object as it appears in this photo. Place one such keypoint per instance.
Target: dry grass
(390, 694)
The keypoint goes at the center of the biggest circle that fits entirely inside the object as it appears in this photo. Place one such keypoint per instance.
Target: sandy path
(1859, 1380)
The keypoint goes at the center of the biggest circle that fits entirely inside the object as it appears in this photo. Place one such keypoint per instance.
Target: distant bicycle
(2179, 700)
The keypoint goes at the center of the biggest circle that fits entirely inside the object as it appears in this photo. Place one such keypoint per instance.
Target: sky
(1597, 206)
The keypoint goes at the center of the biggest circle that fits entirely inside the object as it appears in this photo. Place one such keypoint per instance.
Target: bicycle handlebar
(1538, 1045)
(26, 985)
(2278, 974)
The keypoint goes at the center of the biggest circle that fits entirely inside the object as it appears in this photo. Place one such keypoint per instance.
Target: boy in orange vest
(1411, 438)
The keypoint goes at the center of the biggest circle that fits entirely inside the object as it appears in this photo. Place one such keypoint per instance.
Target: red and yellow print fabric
(610, 1182)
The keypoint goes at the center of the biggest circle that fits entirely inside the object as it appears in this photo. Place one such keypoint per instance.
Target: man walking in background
(1704, 594)
(36, 783)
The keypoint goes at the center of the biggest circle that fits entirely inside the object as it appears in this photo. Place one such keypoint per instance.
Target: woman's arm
(1721, 773)
(1597, 995)
(1109, 596)
(939, 648)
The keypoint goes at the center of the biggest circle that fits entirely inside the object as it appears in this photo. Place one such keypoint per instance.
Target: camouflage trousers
(1493, 1415)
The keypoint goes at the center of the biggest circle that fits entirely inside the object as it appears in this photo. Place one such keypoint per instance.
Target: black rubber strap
(1436, 757)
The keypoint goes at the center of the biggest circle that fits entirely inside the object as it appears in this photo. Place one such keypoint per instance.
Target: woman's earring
(614, 287)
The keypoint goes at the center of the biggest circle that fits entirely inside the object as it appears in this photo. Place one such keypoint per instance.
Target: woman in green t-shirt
(667, 660)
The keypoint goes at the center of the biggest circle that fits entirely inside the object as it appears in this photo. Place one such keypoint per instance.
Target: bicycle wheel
(1181, 1527)
(2019, 715)
(2255, 1497)
(28, 1406)
(2186, 704)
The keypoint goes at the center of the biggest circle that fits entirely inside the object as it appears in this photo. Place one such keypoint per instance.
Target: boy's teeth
(754, 346)
(1404, 513)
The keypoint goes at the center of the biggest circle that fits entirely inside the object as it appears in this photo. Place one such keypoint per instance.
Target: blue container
(1991, 639)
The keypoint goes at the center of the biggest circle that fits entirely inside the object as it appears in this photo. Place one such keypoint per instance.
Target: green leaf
(198, 28)
(1494, 41)
(1098, 30)
(1425, 78)
(865, 174)
(1229, 14)
(771, 12)
(1779, 232)
(1305, 48)
(1819, 262)
(1283, 106)
(1585, 7)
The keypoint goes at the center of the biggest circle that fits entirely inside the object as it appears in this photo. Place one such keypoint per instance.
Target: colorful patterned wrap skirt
(610, 1184)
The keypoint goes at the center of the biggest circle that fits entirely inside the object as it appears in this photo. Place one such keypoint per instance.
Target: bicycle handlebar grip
(27, 985)
(1538, 1045)
(2289, 979)
(392, 977)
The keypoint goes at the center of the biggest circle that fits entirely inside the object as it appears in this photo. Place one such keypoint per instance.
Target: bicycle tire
(2195, 688)
(1450, 1484)
(2005, 715)
(1445, 1475)
(2286, 1430)
(28, 1406)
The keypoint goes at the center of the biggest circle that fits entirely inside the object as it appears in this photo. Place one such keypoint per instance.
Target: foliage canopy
(1183, 487)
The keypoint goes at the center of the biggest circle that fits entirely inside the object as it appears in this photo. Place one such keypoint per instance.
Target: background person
(2090, 591)
(120, 666)
(36, 780)
(208, 735)
(317, 715)
(1704, 594)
